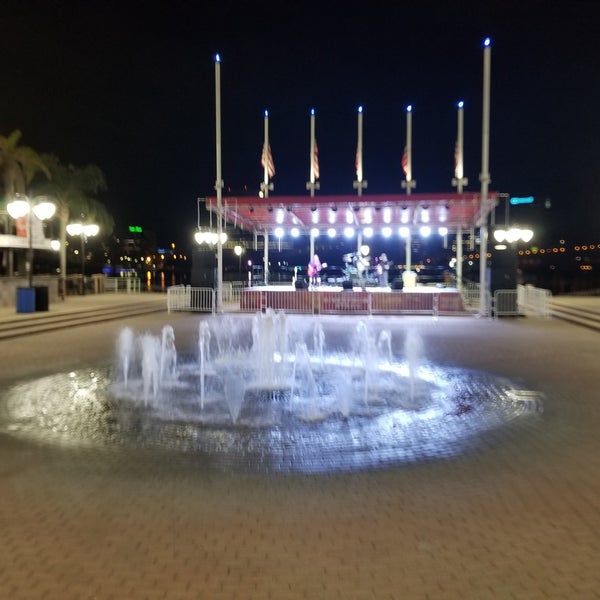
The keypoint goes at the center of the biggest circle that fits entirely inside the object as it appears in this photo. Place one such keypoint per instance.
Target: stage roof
(261, 215)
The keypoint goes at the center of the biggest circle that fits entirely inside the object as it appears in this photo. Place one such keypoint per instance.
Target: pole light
(84, 232)
(24, 207)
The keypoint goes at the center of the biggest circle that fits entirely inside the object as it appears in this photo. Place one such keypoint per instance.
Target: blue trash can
(25, 299)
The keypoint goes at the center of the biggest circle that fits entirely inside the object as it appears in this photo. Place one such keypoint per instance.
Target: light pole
(23, 206)
(238, 250)
(83, 231)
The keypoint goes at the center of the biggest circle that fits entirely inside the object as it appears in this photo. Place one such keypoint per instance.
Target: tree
(18, 165)
(73, 190)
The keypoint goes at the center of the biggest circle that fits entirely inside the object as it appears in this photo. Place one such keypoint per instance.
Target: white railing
(186, 298)
(122, 284)
(534, 301)
(471, 297)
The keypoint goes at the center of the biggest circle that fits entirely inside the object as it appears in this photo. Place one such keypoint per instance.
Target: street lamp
(238, 252)
(84, 232)
(23, 206)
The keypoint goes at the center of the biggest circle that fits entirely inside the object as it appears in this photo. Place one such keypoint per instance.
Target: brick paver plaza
(519, 519)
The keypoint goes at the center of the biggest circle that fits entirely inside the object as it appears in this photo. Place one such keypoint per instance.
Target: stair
(19, 325)
(584, 311)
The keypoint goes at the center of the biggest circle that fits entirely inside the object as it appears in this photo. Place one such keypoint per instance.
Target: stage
(329, 300)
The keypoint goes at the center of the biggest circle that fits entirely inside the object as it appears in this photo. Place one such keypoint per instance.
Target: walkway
(518, 520)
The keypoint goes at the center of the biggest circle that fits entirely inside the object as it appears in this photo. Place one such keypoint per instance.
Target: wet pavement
(516, 517)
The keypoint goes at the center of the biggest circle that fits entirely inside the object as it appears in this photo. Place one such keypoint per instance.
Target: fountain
(276, 392)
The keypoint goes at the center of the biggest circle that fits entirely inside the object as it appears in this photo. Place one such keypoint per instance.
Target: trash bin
(25, 299)
(41, 297)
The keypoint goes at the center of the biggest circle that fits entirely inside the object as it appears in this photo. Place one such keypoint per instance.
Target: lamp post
(24, 207)
(238, 250)
(83, 231)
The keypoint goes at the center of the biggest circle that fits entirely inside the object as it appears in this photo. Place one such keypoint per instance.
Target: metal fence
(534, 301)
(187, 298)
(122, 284)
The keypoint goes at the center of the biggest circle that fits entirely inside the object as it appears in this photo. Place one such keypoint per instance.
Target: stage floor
(336, 300)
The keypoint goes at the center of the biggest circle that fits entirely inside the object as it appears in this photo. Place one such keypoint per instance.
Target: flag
(270, 165)
(315, 161)
(404, 161)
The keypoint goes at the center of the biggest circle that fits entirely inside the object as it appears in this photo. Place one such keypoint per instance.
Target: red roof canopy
(453, 211)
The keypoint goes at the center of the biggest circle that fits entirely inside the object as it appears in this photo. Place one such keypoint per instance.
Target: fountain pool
(273, 392)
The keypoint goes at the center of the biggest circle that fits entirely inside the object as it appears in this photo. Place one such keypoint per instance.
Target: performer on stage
(314, 268)
(383, 269)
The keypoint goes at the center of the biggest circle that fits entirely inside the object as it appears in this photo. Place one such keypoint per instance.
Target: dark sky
(129, 86)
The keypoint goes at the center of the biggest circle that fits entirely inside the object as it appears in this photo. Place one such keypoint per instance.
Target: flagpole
(360, 183)
(265, 184)
(313, 184)
(484, 178)
(219, 183)
(408, 183)
(458, 181)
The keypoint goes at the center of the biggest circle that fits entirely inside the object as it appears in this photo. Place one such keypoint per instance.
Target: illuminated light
(368, 232)
(443, 231)
(331, 232)
(217, 58)
(315, 216)
(332, 216)
(387, 215)
(18, 208)
(405, 216)
(500, 247)
(584, 247)
(367, 216)
(555, 250)
(280, 216)
(360, 109)
(364, 250)
(487, 42)
(526, 235)
(349, 216)
(460, 104)
(278, 232)
(404, 232)
(386, 232)
(266, 113)
(425, 231)
(576, 248)
(425, 215)
(500, 235)
(409, 108)
(314, 232)
(592, 247)
(349, 232)
(312, 111)
(562, 242)
(522, 200)
(527, 252)
(55, 245)
(295, 232)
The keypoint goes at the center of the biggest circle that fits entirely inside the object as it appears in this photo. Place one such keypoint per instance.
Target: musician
(383, 269)
(314, 268)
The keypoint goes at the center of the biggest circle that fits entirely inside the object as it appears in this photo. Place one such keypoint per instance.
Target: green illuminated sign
(135, 229)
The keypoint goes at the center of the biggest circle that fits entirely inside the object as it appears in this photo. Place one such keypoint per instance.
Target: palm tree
(18, 165)
(72, 189)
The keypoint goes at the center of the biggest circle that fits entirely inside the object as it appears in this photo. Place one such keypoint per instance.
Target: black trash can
(41, 298)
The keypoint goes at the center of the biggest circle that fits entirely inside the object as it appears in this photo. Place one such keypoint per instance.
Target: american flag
(269, 161)
(404, 161)
(315, 161)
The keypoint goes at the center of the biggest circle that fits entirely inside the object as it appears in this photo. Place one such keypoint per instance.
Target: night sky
(129, 86)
